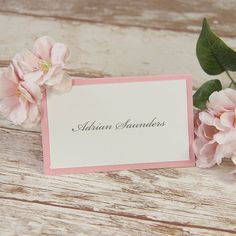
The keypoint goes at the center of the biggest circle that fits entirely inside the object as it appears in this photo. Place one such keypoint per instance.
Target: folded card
(119, 123)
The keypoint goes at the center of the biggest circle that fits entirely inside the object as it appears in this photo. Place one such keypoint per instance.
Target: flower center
(45, 65)
(18, 92)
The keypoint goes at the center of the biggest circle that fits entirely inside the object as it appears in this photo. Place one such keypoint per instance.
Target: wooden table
(113, 38)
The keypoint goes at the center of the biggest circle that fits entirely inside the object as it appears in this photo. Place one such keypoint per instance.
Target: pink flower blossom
(19, 99)
(215, 129)
(44, 65)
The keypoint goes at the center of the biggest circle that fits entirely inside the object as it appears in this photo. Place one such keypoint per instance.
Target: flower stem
(231, 83)
(232, 80)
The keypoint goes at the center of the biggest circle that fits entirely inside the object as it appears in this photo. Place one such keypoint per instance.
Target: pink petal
(225, 137)
(33, 113)
(31, 91)
(209, 131)
(43, 47)
(197, 146)
(209, 119)
(219, 102)
(225, 151)
(54, 76)
(12, 75)
(205, 163)
(208, 150)
(218, 124)
(25, 62)
(227, 119)
(231, 94)
(205, 159)
(196, 120)
(33, 116)
(18, 114)
(64, 86)
(200, 133)
(60, 54)
(206, 118)
(34, 76)
(220, 154)
(8, 104)
(7, 86)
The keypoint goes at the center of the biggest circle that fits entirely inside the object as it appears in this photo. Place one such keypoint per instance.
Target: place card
(120, 123)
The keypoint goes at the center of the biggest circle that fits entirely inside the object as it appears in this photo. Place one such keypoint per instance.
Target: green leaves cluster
(214, 57)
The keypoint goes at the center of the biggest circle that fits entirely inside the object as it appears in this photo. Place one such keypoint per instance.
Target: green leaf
(213, 54)
(203, 93)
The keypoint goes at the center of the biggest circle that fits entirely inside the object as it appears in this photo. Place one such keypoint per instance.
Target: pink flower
(44, 65)
(19, 99)
(215, 129)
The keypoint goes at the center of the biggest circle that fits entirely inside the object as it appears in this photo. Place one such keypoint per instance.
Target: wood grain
(190, 196)
(109, 50)
(180, 16)
(35, 218)
(113, 38)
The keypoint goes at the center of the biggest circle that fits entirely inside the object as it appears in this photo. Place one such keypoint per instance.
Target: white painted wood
(183, 201)
(189, 196)
(110, 49)
(39, 219)
(182, 16)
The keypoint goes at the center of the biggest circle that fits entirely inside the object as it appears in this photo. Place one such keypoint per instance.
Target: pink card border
(89, 81)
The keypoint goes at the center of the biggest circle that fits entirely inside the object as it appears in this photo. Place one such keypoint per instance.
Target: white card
(119, 123)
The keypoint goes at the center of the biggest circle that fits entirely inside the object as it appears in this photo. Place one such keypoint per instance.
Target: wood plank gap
(8, 129)
(4, 63)
(127, 215)
(126, 25)
(88, 73)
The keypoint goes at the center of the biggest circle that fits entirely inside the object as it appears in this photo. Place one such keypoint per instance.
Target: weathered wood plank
(190, 196)
(188, 201)
(33, 218)
(4, 123)
(162, 14)
(109, 50)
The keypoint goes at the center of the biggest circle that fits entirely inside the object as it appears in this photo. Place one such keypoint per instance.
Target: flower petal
(25, 62)
(19, 114)
(209, 131)
(60, 54)
(7, 104)
(231, 94)
(227, 119)
(54, 76)
(205, 163)
(34, 76)
(33, 116)
(206, 159)
(220, 102)
(43, 46)
(208, 149)
(225, 137)
(200, 133)
(31, 91)
(206, 118)
(225, 151)
(64, 86)
(218, 124)
(219, 154)
(7, 86)
(197, 146)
